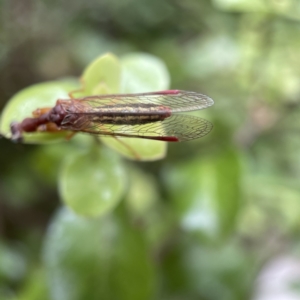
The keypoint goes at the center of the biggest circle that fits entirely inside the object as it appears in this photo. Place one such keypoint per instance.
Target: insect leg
(69, 136)
(48, 127)
(40, 111)
(81, 89)
(133, 152)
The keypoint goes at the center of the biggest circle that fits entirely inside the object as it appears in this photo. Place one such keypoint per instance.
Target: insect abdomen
(131, 114)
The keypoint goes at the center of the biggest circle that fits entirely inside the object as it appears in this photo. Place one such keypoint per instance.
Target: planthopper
(154, 115)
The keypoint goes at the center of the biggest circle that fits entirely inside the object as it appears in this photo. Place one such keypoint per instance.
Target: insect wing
(176, 128)
(175, 100)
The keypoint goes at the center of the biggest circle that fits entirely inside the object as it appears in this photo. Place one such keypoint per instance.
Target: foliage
(208, 219)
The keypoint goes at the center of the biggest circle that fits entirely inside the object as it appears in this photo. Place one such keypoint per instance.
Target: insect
(153, 115)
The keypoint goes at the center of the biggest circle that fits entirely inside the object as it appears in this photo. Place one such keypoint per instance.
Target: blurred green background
(217, 218)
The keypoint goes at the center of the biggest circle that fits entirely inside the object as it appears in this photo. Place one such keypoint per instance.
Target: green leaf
(206, 193)
(141, 73)
(92, 183)
(137, 149)
(103, 71)
(94, 259)
(46, 160)
(142, 193)
(103, 77)
(26, 101)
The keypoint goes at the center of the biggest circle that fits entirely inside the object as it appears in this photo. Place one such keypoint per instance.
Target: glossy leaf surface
(92, 183)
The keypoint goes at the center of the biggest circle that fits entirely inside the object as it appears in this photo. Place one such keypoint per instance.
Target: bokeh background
(218, 218)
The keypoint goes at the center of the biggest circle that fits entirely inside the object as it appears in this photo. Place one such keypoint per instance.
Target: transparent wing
(176, 128)
(176, 100)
